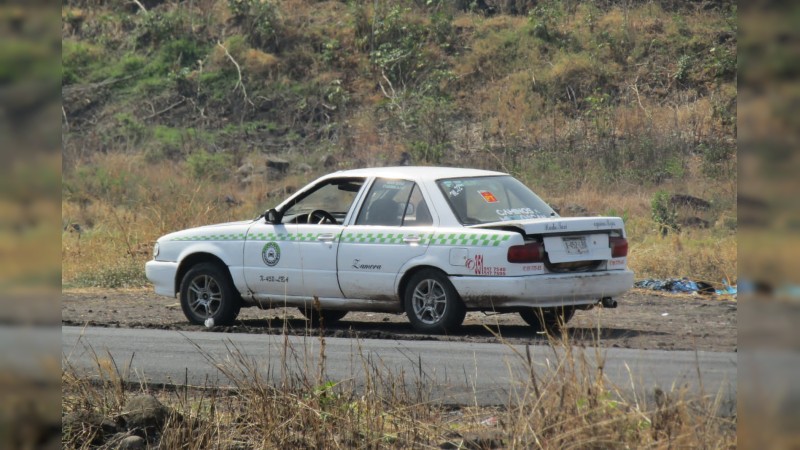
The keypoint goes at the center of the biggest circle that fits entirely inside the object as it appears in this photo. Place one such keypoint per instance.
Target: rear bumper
(541, 290)
(162, 275)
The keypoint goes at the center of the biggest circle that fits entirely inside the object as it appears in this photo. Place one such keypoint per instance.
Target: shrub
(212, 166)
(260, 21)
(663, 213)
(166, 143)
(397, 45)
(76, 60)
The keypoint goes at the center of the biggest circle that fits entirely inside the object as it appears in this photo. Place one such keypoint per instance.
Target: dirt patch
(643, 320)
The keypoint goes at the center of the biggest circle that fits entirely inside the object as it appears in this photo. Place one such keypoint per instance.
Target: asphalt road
(460, 373)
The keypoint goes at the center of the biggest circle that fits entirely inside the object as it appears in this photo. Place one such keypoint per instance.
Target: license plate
(576, 245)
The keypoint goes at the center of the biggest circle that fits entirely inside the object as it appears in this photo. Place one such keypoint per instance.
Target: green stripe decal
(443, 239)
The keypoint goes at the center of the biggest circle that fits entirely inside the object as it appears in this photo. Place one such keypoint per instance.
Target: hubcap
(205, 296)
(429, 301)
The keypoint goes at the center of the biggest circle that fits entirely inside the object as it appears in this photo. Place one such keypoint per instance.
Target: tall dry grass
(564, 401)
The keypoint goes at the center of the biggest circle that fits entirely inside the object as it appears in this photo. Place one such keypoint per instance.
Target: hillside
(607, 107)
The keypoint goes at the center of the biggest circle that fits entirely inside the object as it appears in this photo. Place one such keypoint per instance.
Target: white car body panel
(362, 267)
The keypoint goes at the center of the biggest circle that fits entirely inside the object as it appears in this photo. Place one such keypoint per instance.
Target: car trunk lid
(569, 240)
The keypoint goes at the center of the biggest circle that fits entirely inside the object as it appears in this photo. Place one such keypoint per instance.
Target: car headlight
(155, 250)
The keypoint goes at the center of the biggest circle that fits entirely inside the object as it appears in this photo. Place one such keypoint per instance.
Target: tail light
(528, 253)
(619, 246)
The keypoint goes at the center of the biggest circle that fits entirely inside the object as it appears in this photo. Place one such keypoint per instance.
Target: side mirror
(273, 216)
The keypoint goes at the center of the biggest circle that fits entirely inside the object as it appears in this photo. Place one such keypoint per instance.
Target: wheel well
(401, 288)
(195, 259)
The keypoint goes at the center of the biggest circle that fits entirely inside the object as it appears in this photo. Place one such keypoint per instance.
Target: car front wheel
(432, 303)
(207, 293)
(547, 319)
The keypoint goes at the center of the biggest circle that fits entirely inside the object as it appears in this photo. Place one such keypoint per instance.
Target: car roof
(417, 173)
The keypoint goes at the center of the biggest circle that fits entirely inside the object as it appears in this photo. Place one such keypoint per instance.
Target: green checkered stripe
(475, 240)
(445, 239)
(286, 237)
(379, 238)
(212, 237)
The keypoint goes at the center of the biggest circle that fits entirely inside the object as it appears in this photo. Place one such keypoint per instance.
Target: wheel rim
(205, 296)
(429, 301)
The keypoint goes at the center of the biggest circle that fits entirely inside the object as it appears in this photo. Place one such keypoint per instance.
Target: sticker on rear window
(519, 214)
(395, 184)
(488, 196)
(454, 187)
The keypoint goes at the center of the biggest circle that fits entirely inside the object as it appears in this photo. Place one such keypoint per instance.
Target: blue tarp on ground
(684, 285)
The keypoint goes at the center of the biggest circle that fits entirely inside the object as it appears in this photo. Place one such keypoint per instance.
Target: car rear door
(393, 226)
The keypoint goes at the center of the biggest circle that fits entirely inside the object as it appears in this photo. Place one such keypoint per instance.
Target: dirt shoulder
(644, 320)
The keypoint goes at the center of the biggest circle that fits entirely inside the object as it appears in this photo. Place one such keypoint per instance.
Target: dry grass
(565, 401)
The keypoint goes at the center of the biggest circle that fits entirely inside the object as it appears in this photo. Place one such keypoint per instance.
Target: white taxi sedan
(432, 242)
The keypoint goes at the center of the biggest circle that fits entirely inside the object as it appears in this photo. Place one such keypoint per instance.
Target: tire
(323, 317)
(548, 320)
(432, 303)
(207, 292)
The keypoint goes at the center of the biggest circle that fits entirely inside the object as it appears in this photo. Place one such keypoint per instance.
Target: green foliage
(674, 167)
(427, 153)
(166, 143)
(544, 19)
(210, 166)
(397, 45)
(625, 215)
(157, 27)
(684, 67)
(129, 129)
(442, 31)
(78, 59)
(718, 159)
(663, 213)
(330, 50)
(261, 21)
(551, 94)
(92, 182)
(723, 62)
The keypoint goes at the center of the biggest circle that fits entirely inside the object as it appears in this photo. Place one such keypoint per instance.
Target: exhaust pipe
(608, 302)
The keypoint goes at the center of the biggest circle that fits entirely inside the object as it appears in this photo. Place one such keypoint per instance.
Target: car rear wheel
(207, 293)
(432, 303)
(324, 317)
(547, 319)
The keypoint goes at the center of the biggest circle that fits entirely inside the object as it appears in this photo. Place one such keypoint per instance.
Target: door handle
(411, 239)
(325, 237)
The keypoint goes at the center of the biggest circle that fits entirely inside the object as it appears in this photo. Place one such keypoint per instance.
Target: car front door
(320, 216)
(393, 226)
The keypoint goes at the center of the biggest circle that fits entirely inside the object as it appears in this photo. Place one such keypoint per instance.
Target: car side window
(386, 203)
(332, 196)
(417, 212)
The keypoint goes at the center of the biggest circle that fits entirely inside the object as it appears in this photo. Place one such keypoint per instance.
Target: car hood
(209, 230)
(559, 224)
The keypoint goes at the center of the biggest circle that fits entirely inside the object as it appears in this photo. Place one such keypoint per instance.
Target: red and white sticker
(476, 265)
(488, 196)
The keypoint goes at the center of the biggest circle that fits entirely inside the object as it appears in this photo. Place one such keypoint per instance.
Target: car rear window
(479, 200)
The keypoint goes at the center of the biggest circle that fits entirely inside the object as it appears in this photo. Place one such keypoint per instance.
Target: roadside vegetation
(562, 400)
(183, 113)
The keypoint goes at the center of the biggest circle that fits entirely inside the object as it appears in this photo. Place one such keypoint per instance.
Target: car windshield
(481, 200)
